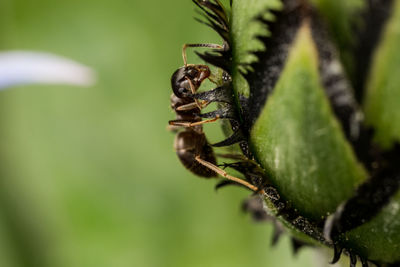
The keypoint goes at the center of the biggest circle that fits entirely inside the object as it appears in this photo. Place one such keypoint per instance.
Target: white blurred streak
(26, 67)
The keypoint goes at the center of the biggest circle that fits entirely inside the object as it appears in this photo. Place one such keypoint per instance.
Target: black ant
(191, 145)
(185, 82)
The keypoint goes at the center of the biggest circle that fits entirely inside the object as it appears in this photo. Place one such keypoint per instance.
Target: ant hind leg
(227, 176)
(191, 124)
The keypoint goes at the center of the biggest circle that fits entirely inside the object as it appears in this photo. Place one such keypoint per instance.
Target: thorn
(219, 61)
(337, 252)
(233, 139)
(275, 237)
(222, 113)
(364, 263)
(219, 94)
(297, 245)
(353, 260)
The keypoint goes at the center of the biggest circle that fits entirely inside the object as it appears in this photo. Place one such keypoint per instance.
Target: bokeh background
(88, 175)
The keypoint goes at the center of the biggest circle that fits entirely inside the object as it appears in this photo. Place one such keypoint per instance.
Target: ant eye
(183, 91)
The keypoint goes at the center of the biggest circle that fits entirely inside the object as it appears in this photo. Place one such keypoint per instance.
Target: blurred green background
(89, 176)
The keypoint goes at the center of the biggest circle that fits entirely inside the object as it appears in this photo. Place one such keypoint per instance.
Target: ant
(185, 82)
(191, 145)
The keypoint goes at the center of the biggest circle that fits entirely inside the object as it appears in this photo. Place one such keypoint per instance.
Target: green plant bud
(379, 238)
(298, 71)
(298, 141)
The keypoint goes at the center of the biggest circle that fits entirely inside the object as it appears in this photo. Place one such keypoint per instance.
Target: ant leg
(227, 176)
(191, 124)
(216, 46)
(191, 85)
(193, 91)
(193, 105)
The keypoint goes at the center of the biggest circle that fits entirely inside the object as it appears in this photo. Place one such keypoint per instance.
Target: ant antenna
(215, 46)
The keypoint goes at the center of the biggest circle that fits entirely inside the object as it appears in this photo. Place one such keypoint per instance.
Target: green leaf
(378, 239)
(383, 88)
(243, 30)
(297, 138)
(300, 143)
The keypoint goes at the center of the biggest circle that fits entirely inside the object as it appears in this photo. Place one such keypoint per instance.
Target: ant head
(184, 77)
(197, 73)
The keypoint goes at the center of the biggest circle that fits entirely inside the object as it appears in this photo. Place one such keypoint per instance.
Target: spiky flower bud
(315, 107)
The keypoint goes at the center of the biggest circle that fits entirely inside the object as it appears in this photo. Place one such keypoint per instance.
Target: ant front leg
(193, 105)
(227, 176)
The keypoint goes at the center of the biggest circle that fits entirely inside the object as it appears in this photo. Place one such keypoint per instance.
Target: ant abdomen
(188, 145)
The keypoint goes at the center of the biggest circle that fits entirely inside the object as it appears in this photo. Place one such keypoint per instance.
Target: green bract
(382, 102)
(294, 77)
(299, 140)
(244, 28)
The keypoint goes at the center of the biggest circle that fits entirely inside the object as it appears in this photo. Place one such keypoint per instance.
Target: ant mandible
(191, 145)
